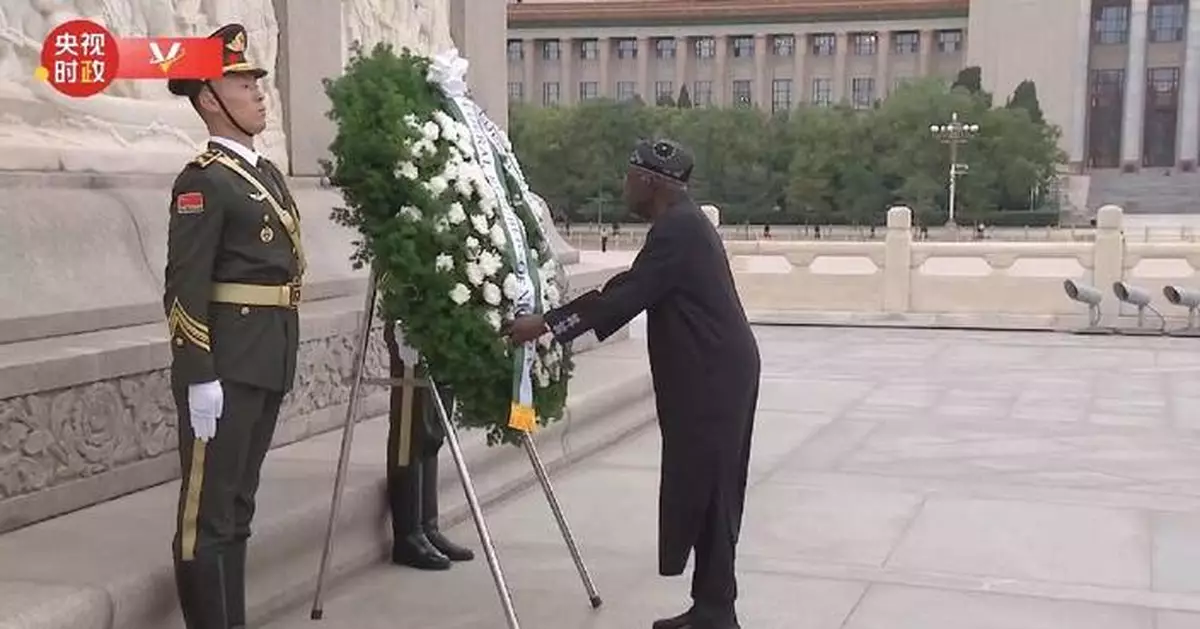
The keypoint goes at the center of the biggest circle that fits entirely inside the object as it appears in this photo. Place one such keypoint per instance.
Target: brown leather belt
(284, 296)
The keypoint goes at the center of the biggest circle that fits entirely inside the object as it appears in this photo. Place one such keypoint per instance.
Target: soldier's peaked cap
(663, 157)
(233, 60)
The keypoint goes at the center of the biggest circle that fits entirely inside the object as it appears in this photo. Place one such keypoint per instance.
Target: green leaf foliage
(831, 165)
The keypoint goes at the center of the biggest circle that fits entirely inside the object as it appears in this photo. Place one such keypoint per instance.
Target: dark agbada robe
(705, 364)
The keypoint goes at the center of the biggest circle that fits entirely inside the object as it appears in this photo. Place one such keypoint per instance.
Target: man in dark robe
(705, 364)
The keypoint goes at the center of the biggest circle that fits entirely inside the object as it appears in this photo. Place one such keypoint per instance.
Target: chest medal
(267, 234)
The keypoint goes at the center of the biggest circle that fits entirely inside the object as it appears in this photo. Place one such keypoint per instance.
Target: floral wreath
(454, 234)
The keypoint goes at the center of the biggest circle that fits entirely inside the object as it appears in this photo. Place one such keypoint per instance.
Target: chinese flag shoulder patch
(189, 203)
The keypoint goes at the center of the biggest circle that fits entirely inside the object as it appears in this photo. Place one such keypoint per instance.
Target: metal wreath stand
(485, 539)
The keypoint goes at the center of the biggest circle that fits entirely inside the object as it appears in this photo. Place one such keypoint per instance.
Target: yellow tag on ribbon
(522, 418)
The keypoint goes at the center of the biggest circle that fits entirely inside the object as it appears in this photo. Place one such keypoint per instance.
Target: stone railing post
(1108, 254)
(897, 260)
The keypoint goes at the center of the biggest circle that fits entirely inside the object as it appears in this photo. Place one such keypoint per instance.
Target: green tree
(685, 99)
(665, 100)
(1026, 97)
(970, 78)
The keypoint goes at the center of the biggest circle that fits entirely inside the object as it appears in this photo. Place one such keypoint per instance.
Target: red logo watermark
(81, 58)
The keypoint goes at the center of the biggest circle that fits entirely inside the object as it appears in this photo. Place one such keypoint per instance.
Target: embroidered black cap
(663, 157)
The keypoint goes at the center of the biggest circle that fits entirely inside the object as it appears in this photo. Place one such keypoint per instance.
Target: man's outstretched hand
(525, 328)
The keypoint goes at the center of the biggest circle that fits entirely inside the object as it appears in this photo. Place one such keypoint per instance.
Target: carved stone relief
(422, 25)
(54, 437)
(137, 118)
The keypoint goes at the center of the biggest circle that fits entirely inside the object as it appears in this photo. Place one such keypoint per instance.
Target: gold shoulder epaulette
(207, 157)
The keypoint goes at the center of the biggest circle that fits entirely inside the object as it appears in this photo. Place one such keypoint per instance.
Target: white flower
(492, 316)
(541, 375)
(436, 186)
(535, 254)
(491, 293)
(490, 262)
(444, 262)
(457, 214)
(411, 213)
(411, 121)
(408, 170)
(441, 225)
(431, 131)
(463, 186)
(475, 273)
(472, 246)
(480, 223)
(512, 288)
(551, 296)
(423, 147)
(549, 268)
(460, 294)
(499, 238)
(487, 201)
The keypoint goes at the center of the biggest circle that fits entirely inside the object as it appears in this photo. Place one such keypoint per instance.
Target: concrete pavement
(902, 479)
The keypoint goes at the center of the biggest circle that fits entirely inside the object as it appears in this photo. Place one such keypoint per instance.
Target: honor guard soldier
(415, 435)
(234, 263)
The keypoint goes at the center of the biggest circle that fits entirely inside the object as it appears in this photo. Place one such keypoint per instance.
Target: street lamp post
(954, 133)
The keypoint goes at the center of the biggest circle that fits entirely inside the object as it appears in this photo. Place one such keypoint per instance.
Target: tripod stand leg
(485, 538)
(339, 483)
(539, 469)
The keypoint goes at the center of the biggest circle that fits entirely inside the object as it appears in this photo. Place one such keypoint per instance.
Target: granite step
(109, 566)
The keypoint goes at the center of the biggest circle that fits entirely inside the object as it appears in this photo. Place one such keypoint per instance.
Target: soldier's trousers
(216, 504)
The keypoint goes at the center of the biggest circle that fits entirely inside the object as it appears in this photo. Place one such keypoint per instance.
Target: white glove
(206, 401)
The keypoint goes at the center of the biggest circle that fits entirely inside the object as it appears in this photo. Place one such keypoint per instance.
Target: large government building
(1120, 77)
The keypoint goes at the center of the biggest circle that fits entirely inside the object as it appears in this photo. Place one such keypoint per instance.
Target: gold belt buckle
(293, 294)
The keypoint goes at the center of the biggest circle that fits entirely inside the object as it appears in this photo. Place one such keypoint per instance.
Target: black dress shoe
(448, 548)
(416, 551)
(682, 621)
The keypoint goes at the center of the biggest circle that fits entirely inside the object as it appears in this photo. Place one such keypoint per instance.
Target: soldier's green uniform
(415, 436)
(234, 265)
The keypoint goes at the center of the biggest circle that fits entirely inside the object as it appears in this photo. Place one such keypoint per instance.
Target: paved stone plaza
(902, 479)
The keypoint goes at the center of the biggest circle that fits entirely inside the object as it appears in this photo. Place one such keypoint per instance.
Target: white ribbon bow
(449, 72)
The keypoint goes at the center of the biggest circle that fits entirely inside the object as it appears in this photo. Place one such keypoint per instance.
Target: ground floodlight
(1091, 296)
(1190, 299)
(1135, 296)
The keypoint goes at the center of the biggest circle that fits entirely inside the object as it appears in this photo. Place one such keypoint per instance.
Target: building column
(840, 79)
(533, 92)
(606, 88)
(1135, 88)
(682, 50)
(926, 51)
(721, 85)
(800, 89)
(762, 92)
(566, 59)
(643, 70)
(883, 51)
(1079, 91)
(1189, 110)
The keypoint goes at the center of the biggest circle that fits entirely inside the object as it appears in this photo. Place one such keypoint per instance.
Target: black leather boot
(201, 586)
(234, 560)
(682, 621)
(429, 513)
(410, 546)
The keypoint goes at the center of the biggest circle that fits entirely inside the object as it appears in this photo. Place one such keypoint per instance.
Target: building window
(664, 90)
(1164, 85)
(1110, 24)
(626, 90)
(949, 41)
(588, 90)
(551, 49)
(741, 93)
(706, 47)
(862, 93)
(784, 45)
(864, 44)
(1167, 21)
(906, 43)
(781, 94)
(822, 92)
(516, 51)
(516, 91)
(702, 94)
(550, 93)
(743, 47)
(824, 44)
(665, 48)
(627, 49)
(589, 49)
